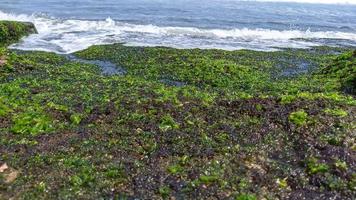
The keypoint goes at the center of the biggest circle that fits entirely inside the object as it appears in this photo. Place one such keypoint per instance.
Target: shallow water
(106, 67)
(170, 82)
(66, 26)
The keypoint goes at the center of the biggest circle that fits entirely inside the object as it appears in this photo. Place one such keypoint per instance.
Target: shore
(176, 124)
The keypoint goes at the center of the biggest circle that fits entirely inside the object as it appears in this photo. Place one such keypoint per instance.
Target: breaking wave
(70, 35)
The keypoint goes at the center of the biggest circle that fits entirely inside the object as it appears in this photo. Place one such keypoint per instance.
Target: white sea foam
(67, 36)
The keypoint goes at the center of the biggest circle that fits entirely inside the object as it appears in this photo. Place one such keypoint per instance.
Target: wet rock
(9, 174)
(12, 32)
(107, 68)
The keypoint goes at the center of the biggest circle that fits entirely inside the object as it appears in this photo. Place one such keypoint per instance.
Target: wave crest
(67, 36)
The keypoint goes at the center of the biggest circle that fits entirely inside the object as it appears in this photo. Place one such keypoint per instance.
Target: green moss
(298, 118)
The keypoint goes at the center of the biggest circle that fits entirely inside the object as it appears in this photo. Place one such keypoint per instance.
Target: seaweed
(237, 129)
(11, 32)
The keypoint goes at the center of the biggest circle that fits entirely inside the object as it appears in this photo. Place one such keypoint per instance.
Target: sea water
(66, 26)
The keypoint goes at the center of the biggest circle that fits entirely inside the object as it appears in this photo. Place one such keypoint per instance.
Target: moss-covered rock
(343, 68)
(11, 32)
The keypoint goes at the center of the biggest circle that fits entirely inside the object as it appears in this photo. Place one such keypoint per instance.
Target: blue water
(69, 25)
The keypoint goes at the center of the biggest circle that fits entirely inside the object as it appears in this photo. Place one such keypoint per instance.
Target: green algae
(336, 112)
(11, 32)
(246, 197)
(225, 134)
(164, 192)
(76, 118)
(31, 122)
(316, 167)
(299, 118)
(344, 69)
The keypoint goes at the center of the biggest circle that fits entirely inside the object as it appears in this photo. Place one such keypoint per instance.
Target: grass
(243, 126)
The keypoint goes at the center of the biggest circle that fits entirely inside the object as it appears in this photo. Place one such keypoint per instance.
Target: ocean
(66, 26)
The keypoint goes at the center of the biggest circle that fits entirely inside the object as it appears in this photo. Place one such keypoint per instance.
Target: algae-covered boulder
(344, 69)
(11, 32)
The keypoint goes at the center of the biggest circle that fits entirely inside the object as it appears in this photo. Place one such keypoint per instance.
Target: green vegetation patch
(31, 122)
(181, 124)
(299, 118)
(314, 166)
(336, 112)
(343, 68)
(11, 32)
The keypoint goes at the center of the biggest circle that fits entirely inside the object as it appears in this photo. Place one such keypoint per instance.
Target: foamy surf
(70, 35)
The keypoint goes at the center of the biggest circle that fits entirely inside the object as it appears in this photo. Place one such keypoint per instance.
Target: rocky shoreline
(178, 124)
